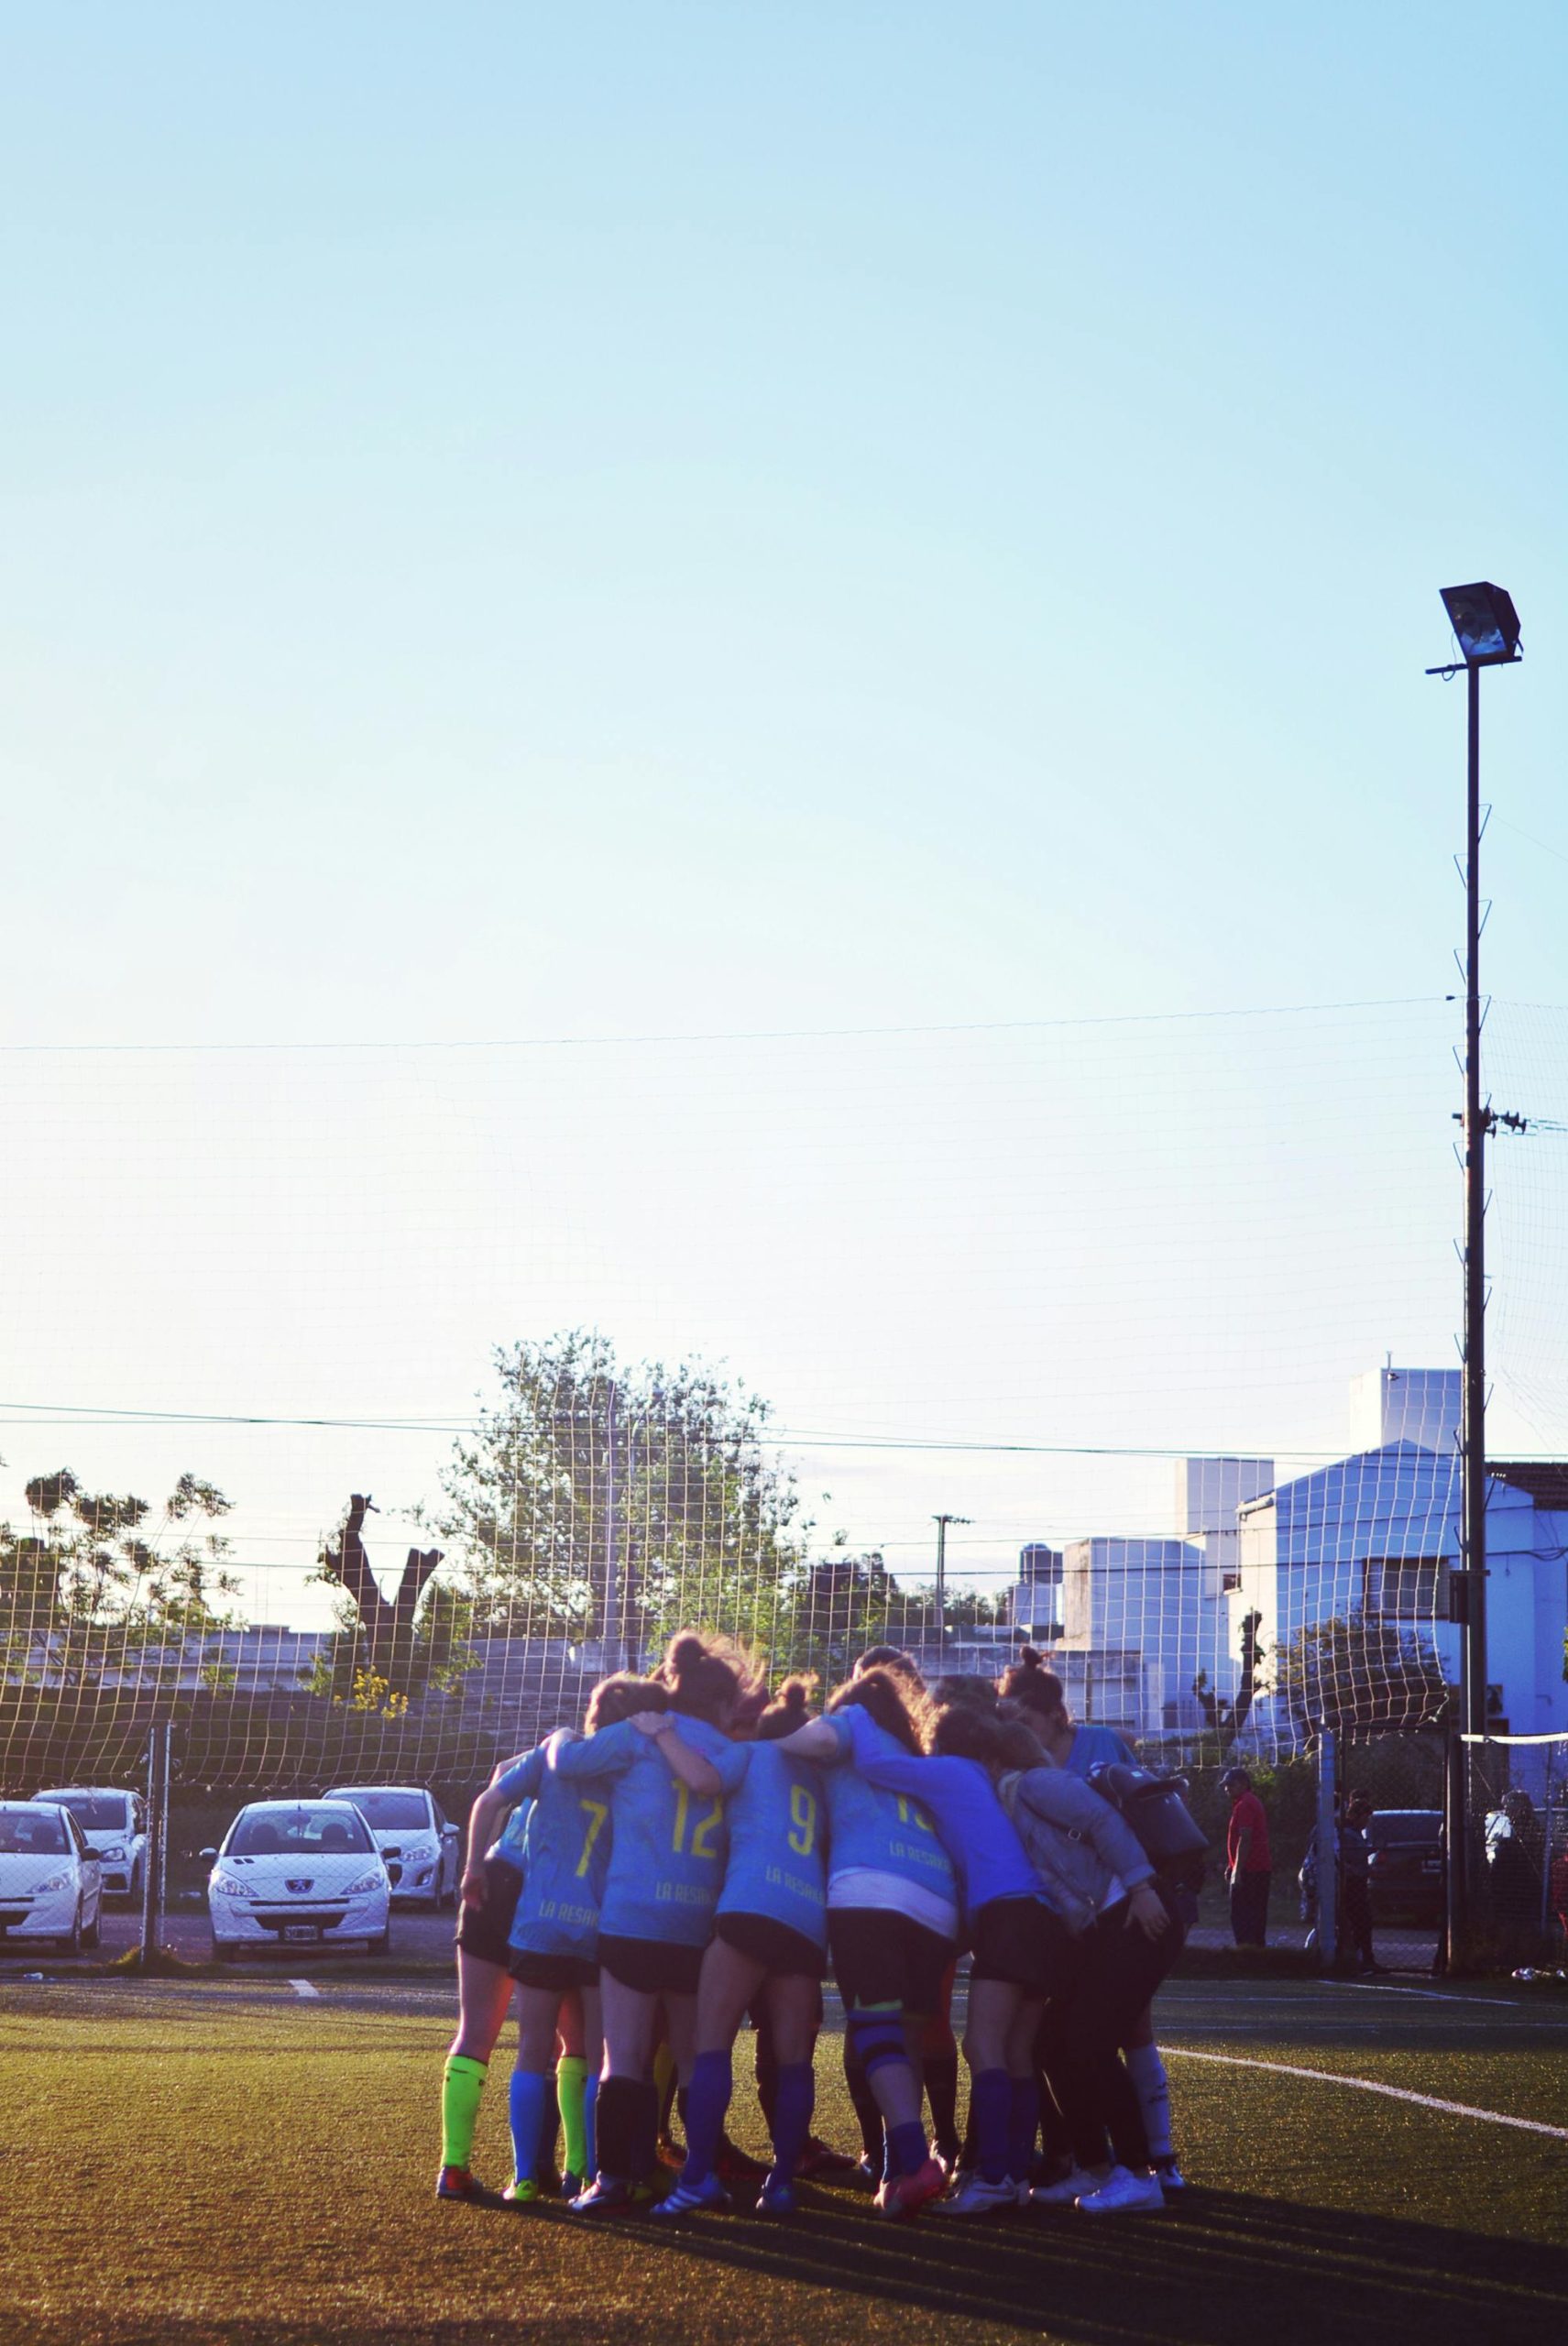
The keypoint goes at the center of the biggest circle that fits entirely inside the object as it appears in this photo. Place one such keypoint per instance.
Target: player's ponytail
(1031, 1683)
(787, 1710)
(894, 1706)
(704, 1681)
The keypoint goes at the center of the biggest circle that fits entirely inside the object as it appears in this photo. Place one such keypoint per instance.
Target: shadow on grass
(1228, 2269)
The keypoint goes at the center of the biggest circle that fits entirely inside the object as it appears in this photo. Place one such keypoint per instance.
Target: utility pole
(942, 1522)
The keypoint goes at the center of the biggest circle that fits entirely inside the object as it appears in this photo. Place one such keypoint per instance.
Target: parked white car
(115, 1825)
(50, 1888)
(420, 1849)
(297, 1873)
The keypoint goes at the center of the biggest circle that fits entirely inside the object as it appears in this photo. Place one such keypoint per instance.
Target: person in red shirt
(1249, 1868)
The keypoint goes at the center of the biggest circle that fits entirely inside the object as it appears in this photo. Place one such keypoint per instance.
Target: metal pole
(1475, 1469)
(1327, 1840)
(154, 1871)
(941, 1578)
(1455, 1905)
(611, 1559)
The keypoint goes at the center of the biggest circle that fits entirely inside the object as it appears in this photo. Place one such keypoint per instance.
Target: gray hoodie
(1084, 1853)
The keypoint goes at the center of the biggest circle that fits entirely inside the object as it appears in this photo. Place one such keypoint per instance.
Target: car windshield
(95, 1811)
(392, 1812)
(1408, 1824)
(302, 1832)
(31, 1833)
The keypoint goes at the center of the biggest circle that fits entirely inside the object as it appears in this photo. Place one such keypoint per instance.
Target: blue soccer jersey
(669, 1845)
(565, 1857)
(776, 1812)
(521, 1783)
(976, 1830)
(874, 1832)
(1094, 1745)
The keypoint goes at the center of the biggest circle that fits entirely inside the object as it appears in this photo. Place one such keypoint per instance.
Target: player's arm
(817, 1739)
(1244, 1850)
(521, 1780)
(684, 1762)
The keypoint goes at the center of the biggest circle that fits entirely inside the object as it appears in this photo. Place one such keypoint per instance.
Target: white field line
(1431, 1995)
(304, 1987)
(1369, 2084)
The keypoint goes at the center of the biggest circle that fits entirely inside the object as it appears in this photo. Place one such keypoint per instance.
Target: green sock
(462, 2089)
(571, 2080)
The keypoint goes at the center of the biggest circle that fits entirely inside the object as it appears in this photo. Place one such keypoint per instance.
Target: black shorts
(653, 1967)
(486, 1930)
(552, 1971)
(1021, 1941)
(781, 1949)
(883, 1958)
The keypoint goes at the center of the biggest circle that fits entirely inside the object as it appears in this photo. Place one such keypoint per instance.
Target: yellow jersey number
(803, 1820)
(702, 1836)
(596, 1811)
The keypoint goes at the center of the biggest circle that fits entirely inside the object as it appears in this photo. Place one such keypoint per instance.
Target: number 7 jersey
(669, 1846)
(564, 1856)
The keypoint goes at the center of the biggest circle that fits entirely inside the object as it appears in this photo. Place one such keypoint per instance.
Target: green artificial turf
(221, 2162)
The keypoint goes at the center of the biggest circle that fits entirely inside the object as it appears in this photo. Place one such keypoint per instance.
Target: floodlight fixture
(1485, 621)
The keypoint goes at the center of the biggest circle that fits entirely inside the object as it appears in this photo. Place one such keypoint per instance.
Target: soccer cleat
(868, 2172)
(706, 2197)
(607, 2195)
(777, 2196)
(1170, 2175)
(905, 2195)
(668, 2153)
(570, 2185)
(948, 2156)
(1122, 2194)
(1065, 2192)
(457, 2183)
(977, 2197)
(820, 2158)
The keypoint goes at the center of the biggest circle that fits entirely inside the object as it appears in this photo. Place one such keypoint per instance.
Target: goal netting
(1517, 1810)
(361, 1407)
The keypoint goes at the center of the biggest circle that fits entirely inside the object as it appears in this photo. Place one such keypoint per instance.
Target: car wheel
(381, 1945)
(134, 1892)
(225, 1951)
(72, 1944)
(93, 1935)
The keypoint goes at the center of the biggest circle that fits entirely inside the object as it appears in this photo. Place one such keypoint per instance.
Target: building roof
(1546, 1479)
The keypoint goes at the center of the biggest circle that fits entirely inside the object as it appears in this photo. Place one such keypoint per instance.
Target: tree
(597, 1501)
(94, 1585)
(387, 1648)
(1360, 1674)
(1227, 1716)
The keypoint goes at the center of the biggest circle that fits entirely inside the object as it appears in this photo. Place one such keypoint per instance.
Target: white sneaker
(1122, 2192)
(1073, 2186)
(975, 2196)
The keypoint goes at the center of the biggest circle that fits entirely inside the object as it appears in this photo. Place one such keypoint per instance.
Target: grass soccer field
(236, 2161)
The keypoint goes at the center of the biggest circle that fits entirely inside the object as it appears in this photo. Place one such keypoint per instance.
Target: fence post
(153, 1881)
(1456, 1860)
(1326, 1843)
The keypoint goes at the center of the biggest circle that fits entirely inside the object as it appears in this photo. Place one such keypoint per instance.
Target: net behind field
(1017, 1274)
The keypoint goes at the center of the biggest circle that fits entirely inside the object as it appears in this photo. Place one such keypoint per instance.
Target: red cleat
(457, 2183)
(907, 2194)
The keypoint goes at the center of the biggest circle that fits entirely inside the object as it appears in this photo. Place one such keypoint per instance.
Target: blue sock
(1022, 2125)
(527, 2108)
(707, 2100)
(990, 2099)
(794, 2099)
(907, 2143)
(590, 2103)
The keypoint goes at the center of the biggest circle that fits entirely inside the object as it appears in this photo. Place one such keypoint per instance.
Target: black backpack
(1154, 1808)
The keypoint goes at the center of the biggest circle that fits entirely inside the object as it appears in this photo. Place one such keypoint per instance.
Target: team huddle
(702, 1851)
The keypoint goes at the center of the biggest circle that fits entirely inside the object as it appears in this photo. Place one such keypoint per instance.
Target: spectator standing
(1355, 1884)
(1249, 1867)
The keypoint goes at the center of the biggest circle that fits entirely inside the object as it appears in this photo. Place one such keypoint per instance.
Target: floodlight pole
(942, 1522)
(1473, 1474)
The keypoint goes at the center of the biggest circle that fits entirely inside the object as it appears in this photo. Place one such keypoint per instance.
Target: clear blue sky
(536, 522)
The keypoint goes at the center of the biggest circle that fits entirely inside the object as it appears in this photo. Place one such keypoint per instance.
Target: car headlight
(226, 1888)
(367, 1881)
(55, 1881)
(115, 1856)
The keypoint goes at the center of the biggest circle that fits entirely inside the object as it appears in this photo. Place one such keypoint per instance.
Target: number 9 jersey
(669, 1845)
(777, 1839)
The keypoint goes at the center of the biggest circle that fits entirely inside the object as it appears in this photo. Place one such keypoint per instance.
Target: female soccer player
(555, 1942)
(1078, 1748)
(769, 1941)
(492, 1880)
(1017, 1960)
(892, 1916)
(666, 1867)
(1122, 1932)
